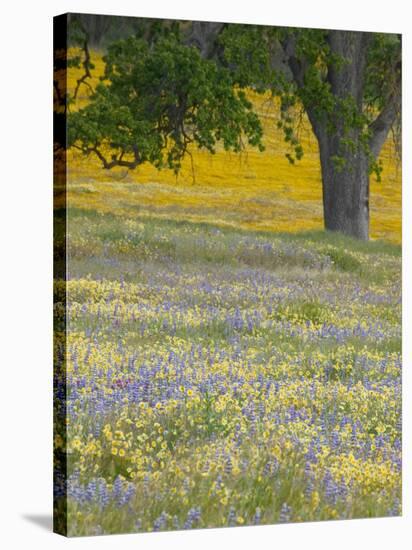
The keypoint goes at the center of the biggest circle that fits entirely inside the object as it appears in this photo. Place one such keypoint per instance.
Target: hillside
(258, 191)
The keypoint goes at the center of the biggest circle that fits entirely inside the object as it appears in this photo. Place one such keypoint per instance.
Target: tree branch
(86, 66)
(203, 35)
(116, 160)
(346, 74)
(297, 66)
(380, 127)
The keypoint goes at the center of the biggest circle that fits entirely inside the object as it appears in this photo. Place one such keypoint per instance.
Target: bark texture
(346, 190)
(345, 185)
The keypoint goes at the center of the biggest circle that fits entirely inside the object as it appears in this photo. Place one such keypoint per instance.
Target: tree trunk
(343, 159)
(345, 188)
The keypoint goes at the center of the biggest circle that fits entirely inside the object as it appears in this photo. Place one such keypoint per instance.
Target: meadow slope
(223, 377)
(228, 362)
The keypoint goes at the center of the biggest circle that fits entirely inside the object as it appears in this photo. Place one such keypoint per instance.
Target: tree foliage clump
(348, 83)
(155, 100)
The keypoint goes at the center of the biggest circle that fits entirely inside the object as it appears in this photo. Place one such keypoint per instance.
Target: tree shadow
(45, 521)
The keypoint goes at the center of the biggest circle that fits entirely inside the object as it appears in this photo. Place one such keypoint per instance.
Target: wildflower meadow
(221, 377)
(227, 361)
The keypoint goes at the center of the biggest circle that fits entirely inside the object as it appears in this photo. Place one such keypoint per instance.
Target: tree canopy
(157, 99)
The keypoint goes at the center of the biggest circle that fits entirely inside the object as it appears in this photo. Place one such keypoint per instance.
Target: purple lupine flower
(127, 494)
(285, 513)
(335, 440)
(342, 489)
(330, 487)
(257, 517)
(103, 496)
(395, 509)
(228, 465)
(231, 519)
(193, 517)
(160, 522)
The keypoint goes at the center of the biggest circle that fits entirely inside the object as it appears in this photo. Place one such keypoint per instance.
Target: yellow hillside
(254, 190)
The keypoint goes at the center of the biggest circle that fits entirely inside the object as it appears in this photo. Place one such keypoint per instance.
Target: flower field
(227, 362)
(221, 377)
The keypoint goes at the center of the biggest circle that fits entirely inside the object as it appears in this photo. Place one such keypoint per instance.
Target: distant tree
(177, 83)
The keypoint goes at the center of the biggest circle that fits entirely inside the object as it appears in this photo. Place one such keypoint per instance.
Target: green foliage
(247, 53)
(159, 95)
(156, 100)
(382, 71)
(312, 61)
(344, 261)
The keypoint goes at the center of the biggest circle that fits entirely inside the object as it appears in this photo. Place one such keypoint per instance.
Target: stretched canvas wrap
(227, 274)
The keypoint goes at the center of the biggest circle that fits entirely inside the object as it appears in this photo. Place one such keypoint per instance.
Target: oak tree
(178, 83)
